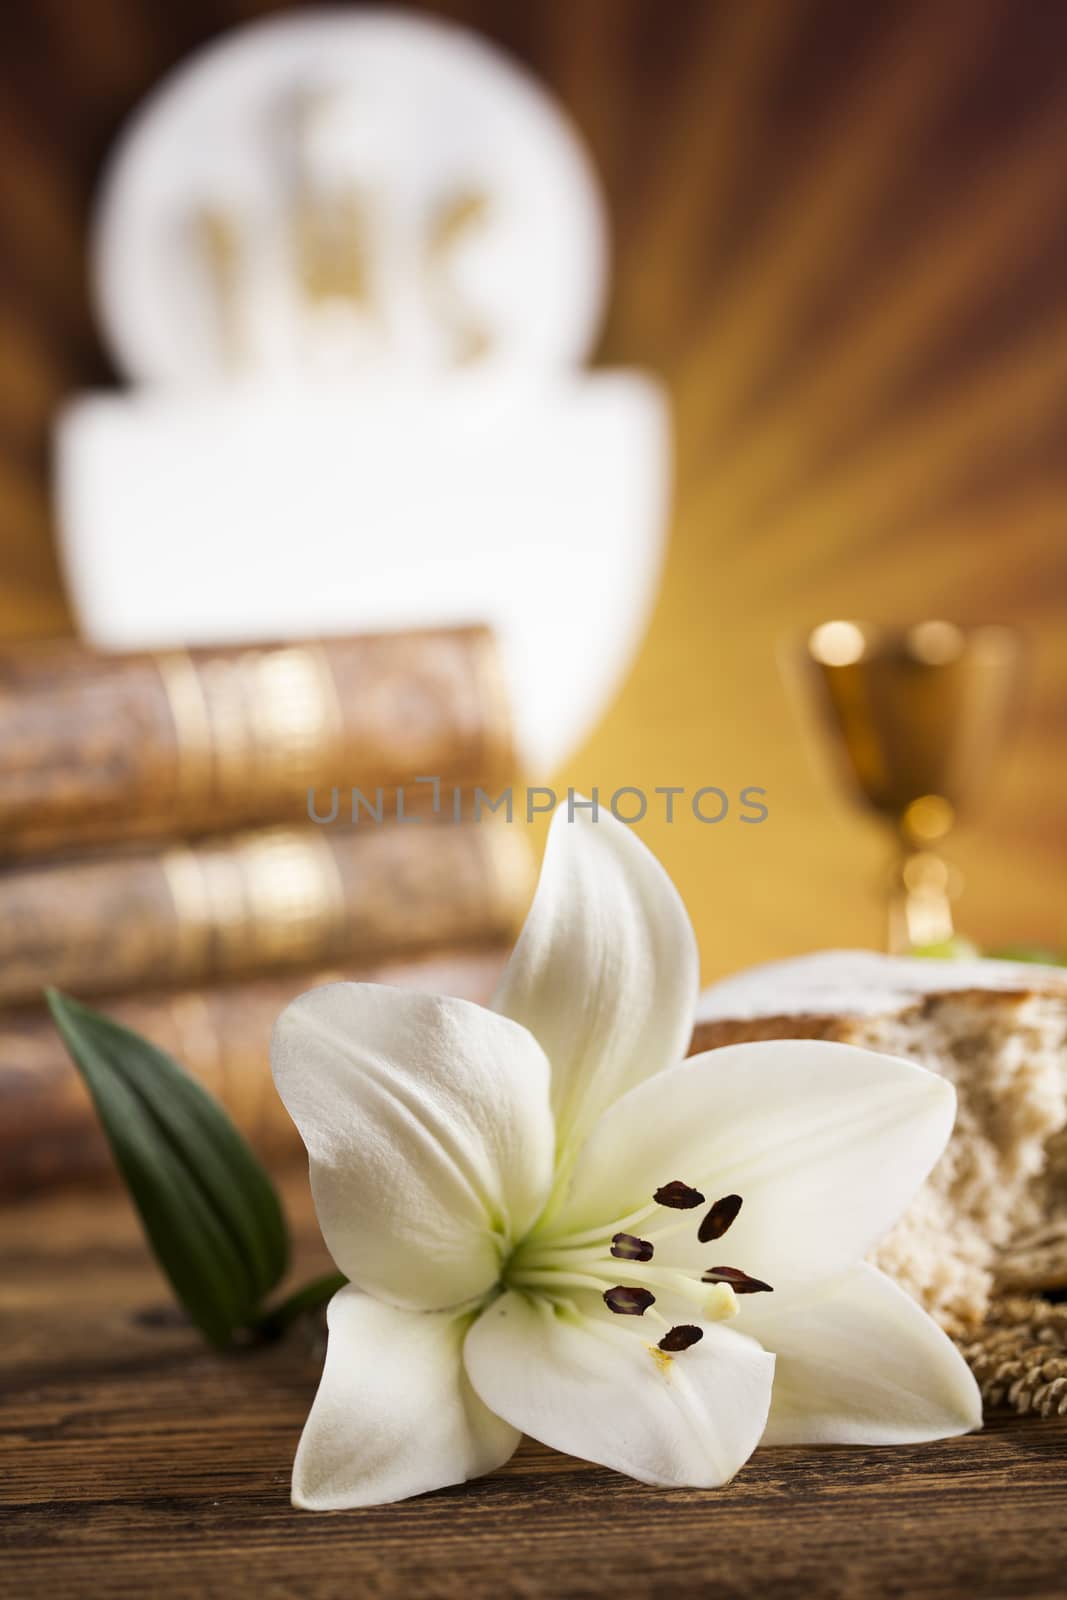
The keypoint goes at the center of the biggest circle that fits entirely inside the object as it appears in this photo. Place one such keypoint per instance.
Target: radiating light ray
(932, 449)
(944, 562)
(715, 112)
(901, 473)
(29, 567)
(704, 700)
(933, 283)
(32, 376)
(880, 127)
(949, 561)
(40, 217)
(587, 56)
(123, 38)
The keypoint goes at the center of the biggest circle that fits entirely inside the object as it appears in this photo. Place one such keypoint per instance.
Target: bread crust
(993, 1215)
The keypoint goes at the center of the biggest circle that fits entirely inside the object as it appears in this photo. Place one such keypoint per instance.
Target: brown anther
(679, 1196)
(739, 1281)
(628, 1302)
(681, 1337)
(719, 1218)
(626, 1247)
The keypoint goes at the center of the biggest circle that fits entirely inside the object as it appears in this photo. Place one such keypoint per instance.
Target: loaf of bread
(993, 1214)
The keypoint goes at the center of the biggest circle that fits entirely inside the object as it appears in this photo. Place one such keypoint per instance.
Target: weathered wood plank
(134, 1462)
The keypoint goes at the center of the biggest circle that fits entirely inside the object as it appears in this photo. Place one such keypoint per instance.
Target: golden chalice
(916, 716)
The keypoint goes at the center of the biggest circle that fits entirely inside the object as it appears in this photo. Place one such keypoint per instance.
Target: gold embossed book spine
(258, 901)
(220, 1033)
(103, 750)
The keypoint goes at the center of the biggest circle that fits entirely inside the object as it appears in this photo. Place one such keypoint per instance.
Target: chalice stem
(920, 907)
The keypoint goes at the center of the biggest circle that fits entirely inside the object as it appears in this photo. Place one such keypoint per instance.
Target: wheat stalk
(1020, 1357)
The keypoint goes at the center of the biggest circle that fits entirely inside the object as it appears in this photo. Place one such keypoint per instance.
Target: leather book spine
(258, 901)
(49, 1133)
(101, 750)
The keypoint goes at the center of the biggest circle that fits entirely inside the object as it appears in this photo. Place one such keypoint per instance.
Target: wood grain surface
(135, 1463)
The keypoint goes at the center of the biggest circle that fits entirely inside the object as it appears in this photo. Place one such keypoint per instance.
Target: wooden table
(134, 1462)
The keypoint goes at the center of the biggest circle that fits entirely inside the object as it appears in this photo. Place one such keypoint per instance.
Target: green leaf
(309, 1298)
(209, 1210)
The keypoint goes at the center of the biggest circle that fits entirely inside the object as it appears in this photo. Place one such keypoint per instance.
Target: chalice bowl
(916, 716)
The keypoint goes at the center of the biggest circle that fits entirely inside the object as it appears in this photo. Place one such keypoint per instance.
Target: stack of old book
(189, 839)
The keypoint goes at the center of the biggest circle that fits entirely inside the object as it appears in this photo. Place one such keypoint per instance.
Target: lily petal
(605, 972)
(429, 1134)
(825, 1143)
(860, 1363)
(395, 1414)
(580, 1383)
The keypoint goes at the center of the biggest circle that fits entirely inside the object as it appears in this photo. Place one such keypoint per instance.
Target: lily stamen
(678, 1196)
(470, 1167)
(628, 1302)
(721, 1217)
(563, 1265)
(681, 1337)
(652, 1210)
(601, 1256)
(738, 1281)
(627, 1247)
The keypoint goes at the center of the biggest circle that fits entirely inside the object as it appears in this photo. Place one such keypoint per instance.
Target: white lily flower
(529, 1203)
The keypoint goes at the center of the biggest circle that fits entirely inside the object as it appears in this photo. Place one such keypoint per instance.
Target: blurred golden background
(839, 237)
